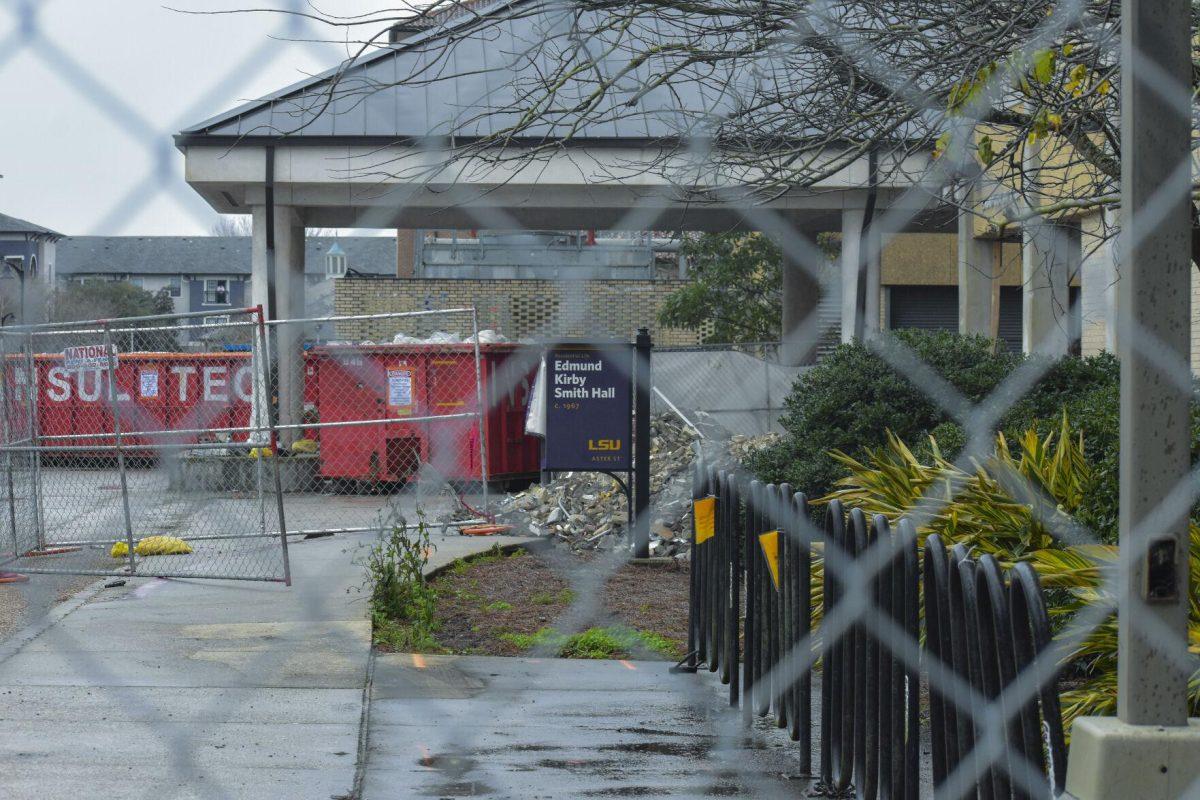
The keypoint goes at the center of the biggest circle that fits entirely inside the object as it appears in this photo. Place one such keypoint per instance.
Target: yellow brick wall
(931, 259)
(520, 308)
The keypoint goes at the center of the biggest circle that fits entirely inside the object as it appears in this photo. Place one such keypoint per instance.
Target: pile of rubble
(741, 447)
(586, 510)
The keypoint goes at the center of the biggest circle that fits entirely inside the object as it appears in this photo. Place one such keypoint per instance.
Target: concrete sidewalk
(196, 689)
(520, 728)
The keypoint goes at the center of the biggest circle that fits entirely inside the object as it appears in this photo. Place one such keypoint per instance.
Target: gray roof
(465, 76)
(209, 255)
(13, 225)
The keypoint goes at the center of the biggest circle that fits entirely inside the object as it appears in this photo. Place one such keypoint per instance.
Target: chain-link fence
(861, 119)
(128, 445)
(201, 438)
(740, 388)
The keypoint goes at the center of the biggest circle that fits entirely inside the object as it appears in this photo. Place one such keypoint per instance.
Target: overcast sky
(90, 102)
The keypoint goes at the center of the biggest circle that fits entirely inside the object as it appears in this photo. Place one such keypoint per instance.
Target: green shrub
(853, 398)
(981, 513)
(849, 400)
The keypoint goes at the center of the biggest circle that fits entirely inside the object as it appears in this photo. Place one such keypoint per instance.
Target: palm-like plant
(1017, 505)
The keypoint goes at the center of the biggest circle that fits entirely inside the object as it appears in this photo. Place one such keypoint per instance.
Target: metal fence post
(35, 439)
(116, 416)
(8, 458)
(641, 455)
(483, 462)
(261, 328)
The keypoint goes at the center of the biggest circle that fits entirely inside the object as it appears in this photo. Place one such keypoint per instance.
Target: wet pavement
(190, 690)
(463, 726)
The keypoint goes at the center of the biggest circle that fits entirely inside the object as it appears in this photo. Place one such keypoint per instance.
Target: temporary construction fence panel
(128, 452)
(397, 405)
(216, 430)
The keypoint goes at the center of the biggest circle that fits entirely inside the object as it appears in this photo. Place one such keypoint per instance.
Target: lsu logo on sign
(604, 445)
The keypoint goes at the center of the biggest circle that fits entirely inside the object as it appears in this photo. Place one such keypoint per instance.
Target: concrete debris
(742, 447)
(585, 510)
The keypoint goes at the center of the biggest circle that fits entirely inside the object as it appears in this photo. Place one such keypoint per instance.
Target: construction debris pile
(586, 510)
(741, 447)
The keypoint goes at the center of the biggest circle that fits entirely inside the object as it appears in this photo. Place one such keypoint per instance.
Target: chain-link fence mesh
(392, 400)
(139, 446)
(394, 404)
(740, 388)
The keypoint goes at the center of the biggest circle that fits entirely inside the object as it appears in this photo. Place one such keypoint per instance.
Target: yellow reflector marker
(770, 546)
(704, 511)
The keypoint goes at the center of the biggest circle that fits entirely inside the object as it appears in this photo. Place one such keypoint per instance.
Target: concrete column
(976, 279)
(800, 328)
(1098, 283)
(1154, 308)
(1045, 302)
(852, 225)
(289, 304)
(1151, 750)
(260, 280)
(874, 256)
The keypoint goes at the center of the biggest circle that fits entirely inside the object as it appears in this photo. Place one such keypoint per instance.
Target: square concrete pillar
(852, 226)
(1046, 261)
(287, 258)
(1098, 282)
(976, 279)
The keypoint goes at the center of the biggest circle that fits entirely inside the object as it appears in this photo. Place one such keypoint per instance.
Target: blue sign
(589, 408)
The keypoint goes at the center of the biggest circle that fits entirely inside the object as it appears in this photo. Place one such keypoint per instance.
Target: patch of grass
(562, 597)
(487, 557)
(499, 605)
(403, 637)
(595, 643)
(526, 641)
(660, 644)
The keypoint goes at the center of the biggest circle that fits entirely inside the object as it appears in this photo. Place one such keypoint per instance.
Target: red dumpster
(420, 381)
(367, 383)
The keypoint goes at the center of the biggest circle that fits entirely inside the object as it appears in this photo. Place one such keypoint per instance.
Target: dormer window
(335, 262)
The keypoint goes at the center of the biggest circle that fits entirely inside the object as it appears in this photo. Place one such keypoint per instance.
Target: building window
(216, 292)
(136, 280)
(174, 286)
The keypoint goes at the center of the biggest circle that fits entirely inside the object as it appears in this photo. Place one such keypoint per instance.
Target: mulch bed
(485, 598)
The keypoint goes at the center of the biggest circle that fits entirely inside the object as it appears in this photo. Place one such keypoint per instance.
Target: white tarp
(535, 414)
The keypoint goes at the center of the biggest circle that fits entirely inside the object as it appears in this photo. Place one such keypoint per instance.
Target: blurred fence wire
(897, 81)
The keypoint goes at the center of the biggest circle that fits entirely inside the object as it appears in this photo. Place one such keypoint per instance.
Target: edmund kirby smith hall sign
(589, 411)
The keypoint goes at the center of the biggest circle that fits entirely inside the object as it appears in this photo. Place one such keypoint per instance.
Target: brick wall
(520, 308)
(931, 259)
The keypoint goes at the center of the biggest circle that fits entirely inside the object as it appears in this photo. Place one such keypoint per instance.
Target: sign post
(641, 413)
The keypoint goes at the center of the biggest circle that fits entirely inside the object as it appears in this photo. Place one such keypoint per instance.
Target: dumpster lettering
(214, 383)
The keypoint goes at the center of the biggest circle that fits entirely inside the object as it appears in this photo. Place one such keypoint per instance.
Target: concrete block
(1111, 760)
